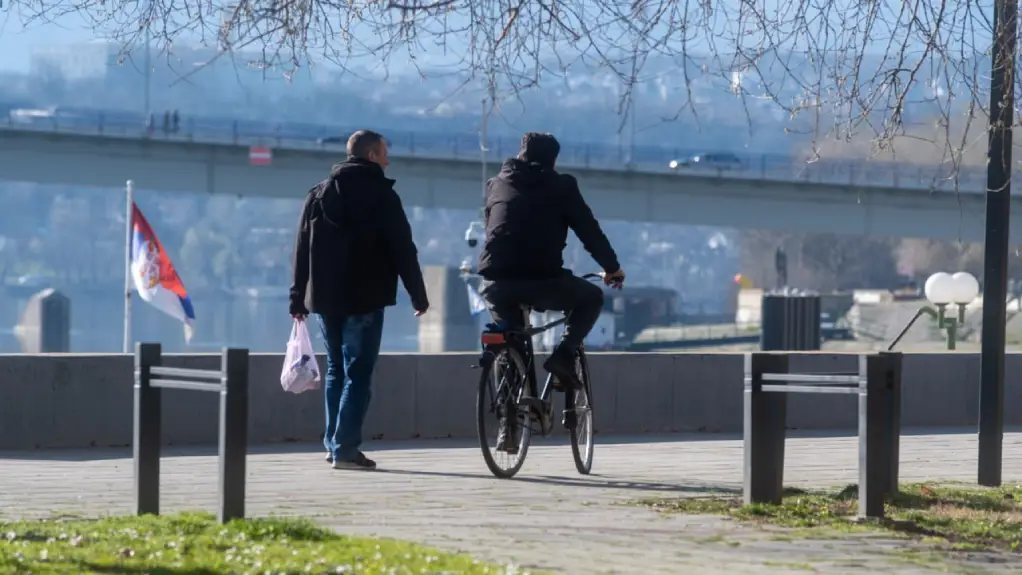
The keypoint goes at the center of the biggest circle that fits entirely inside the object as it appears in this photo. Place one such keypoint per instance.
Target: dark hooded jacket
(528, 212)
(353, 243)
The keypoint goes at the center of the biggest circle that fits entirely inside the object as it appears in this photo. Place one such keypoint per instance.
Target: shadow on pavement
(592, 481)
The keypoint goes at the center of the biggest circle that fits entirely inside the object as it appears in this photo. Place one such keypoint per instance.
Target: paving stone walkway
(440, 493)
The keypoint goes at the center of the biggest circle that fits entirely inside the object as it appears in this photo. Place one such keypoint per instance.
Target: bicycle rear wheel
(579, 414)
(500, 389)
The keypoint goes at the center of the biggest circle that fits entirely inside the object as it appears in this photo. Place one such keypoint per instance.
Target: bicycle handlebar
(468, 270)
(617, 283)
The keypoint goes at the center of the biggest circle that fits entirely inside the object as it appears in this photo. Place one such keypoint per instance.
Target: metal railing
(231, 382)
(644, 159)
(877, 383)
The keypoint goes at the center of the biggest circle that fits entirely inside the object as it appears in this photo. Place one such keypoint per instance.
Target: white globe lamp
(673, 165)
(964, 288)
(943, 289)
(939, 288)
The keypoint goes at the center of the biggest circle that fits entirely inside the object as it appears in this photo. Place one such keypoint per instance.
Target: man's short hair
(362, 142)
(539, 148)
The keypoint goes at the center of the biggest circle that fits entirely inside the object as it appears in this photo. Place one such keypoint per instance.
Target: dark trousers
(352, 346)
(577, 298)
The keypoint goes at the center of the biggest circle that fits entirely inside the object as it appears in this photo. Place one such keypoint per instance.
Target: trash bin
(791, 321)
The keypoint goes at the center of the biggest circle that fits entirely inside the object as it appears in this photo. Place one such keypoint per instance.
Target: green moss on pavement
(964, 517)
(196, 544)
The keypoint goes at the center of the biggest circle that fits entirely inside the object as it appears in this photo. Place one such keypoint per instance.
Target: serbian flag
(155, 278)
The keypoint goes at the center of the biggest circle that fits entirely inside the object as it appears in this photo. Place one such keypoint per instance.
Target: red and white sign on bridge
(260, 156)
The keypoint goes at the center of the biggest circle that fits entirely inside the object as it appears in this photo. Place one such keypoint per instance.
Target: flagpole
(128, 228)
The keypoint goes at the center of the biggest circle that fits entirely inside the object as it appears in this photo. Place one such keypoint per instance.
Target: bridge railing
(646, 159)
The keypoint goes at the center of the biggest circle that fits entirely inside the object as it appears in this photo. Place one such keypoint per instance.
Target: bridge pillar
(449, 325)
(46, 323)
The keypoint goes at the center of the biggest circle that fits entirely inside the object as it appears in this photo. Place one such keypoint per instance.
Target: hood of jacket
(356, 170)
(522, 174)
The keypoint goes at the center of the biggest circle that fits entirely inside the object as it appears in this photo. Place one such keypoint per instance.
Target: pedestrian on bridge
(353, 243)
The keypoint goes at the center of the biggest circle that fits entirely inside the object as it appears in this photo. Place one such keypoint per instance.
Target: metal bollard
(764, 430)
(148, 411)
(877, 383)
(231, 382)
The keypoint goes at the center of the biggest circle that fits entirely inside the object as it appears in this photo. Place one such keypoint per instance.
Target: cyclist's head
(540, 149)
(369, 145)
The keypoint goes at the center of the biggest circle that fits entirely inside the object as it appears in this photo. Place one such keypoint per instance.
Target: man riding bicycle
(529, 209)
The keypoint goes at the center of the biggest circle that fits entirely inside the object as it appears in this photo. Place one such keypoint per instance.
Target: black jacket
(353, 242)
(528, 213)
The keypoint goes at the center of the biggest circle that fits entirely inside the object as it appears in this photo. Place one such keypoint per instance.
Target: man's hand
(615, 279)
(297, 311)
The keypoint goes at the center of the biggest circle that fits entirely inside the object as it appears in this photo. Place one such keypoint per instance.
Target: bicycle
(507, 389)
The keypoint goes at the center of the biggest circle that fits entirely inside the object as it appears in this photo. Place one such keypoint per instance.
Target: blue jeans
(352, 346)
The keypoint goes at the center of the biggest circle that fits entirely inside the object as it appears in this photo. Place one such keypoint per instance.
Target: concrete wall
(86, 400)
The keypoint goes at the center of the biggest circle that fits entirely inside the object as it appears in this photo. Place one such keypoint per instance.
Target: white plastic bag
(301, 372)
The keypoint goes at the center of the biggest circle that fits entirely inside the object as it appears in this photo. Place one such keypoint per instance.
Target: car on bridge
(718, 161)
(332, 140)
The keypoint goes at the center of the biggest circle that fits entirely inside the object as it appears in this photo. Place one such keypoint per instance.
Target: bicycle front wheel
(579, 411)
(504, 429)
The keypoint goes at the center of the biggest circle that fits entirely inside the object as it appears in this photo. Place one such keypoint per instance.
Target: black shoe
(561, 364)
(360, 463)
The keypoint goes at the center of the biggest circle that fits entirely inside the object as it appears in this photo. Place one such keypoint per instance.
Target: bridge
(846, 198)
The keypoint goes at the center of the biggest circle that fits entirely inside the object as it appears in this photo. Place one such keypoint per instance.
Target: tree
(838, 69)
(822, 262)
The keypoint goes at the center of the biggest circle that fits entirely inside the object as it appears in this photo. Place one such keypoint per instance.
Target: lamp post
(995, 251)
(943, 289)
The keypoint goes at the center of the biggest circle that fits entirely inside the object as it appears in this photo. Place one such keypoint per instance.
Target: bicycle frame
(531, 332)
(544, 397)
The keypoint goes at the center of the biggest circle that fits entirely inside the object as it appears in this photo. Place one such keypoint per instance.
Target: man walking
(353, 243)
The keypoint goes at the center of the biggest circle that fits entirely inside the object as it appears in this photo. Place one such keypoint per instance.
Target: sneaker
(360, 462)
(329, 457)
(561, 364)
